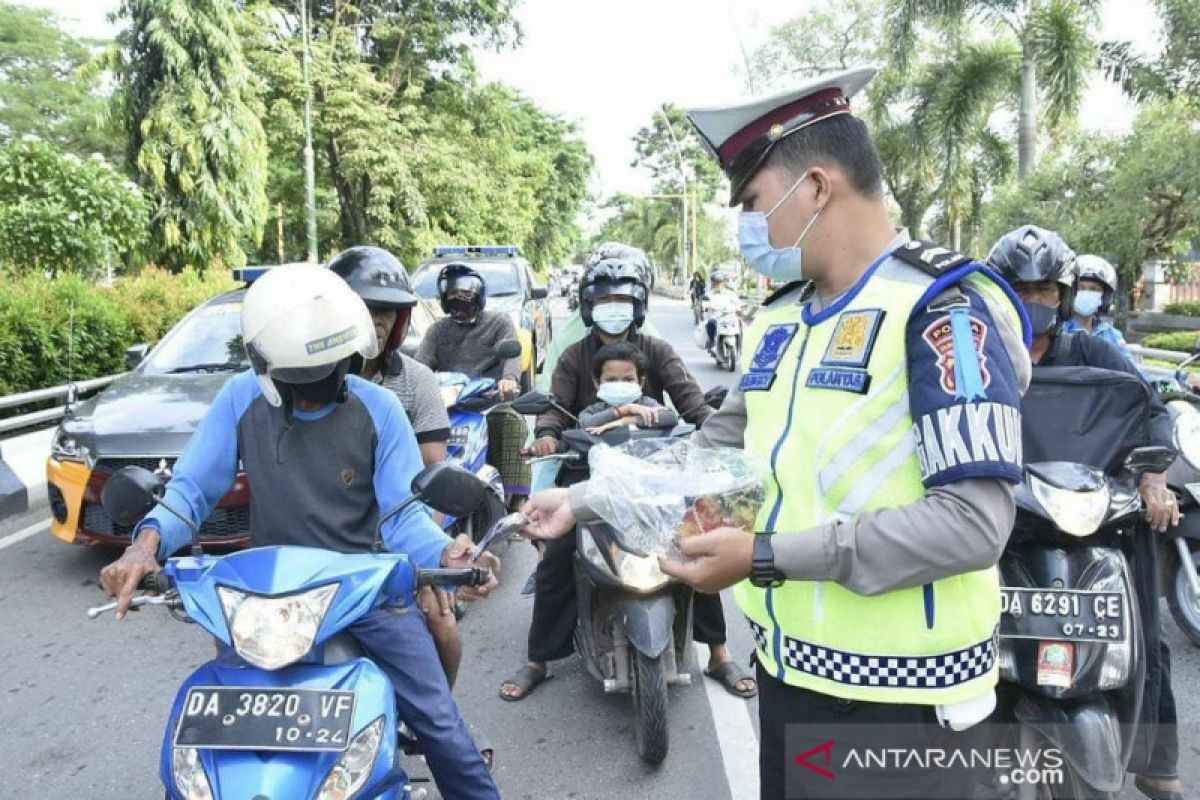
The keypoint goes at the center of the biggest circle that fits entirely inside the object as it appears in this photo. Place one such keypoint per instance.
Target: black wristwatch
(762, 563)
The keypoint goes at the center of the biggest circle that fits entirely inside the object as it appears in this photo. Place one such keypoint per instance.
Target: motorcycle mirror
(533, 403)
(509, 348)
(130, 494)
(448, 488)
(1149, 459)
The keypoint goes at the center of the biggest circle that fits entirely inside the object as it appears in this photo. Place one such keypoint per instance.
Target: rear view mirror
(450, 489)
(533, 403)
(130, 494)
(136, 354)
(509, 348)
(538, 293)
(1149, 459)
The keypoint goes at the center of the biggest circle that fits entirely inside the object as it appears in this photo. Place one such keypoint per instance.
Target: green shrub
(52, 331)
(1184, 308)
(1182, 341)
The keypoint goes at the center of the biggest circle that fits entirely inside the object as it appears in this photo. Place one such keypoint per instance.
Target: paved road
(83, 703)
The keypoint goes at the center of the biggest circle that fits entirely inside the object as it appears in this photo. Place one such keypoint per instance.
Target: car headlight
(459, 434)
(637, 573)
(1187, 437)
(64, 447)
(354, 767)
(450, 394)
(272, 632)
(191, 781)
(1076, 513)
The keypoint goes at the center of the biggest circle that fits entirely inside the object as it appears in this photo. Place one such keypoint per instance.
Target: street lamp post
(683, 224)
(310, 178)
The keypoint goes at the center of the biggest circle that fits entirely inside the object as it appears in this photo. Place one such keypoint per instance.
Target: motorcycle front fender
(1087, 732)
(648, 622)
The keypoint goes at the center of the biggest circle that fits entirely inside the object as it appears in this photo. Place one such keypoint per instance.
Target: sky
(609, 65)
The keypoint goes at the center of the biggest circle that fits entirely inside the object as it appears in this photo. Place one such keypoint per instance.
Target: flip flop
(530, 588)
(1153, 792)
(526, 679)
(729, 674)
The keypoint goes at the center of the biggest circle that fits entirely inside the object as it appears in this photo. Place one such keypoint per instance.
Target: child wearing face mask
(619, 372)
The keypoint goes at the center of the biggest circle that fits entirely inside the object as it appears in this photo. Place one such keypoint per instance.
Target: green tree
(42, 90)
(196, 145)
(1051, 41)
(63, 214)
(1130, 198)
(1175, 71)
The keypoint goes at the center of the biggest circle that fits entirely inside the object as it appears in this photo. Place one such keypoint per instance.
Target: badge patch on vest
(940, 337)
(853, 339)
(841, 379)
(767, 357)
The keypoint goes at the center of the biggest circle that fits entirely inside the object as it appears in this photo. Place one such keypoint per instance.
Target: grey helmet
(1098, 269)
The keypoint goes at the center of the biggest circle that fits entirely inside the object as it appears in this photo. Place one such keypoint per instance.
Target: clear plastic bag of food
(656, 492)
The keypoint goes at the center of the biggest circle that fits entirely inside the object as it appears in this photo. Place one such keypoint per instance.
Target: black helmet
(379, 279)
(1031, 254)
(463, 278)
(628, 252)
(613, 276)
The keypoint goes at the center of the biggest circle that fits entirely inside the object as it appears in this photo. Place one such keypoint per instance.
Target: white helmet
(1098, 269)
(299, 323)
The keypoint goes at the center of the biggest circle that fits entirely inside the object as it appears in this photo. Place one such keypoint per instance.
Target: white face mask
(619, 393)
(613, 318)
(754, 242)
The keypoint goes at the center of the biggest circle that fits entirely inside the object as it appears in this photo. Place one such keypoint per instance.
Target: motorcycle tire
(650, 708)
(1184, 609)
(729, 356)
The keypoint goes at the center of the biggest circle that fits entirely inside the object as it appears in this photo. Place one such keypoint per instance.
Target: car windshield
(499, 277)
(209, 340)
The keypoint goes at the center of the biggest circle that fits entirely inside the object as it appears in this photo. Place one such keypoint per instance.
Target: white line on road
(23, 534)
(735, 735)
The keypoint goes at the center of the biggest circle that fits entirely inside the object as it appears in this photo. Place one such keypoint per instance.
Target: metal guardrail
(1174, 356)
(44, 416)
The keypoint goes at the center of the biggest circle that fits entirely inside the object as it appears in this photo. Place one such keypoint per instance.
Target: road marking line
(735, 735)
(24, 533)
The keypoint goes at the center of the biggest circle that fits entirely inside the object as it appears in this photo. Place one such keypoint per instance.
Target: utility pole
(683, 226)
(279, 230)
(310, 178)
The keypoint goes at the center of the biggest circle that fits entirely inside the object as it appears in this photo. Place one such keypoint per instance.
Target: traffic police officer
(882, 385)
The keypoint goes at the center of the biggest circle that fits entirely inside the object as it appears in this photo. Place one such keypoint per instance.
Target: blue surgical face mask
(613, 318)
(619, 393)
(754, 241)
(1087, 303)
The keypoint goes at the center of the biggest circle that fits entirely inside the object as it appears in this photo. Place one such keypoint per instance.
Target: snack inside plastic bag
(656, 492)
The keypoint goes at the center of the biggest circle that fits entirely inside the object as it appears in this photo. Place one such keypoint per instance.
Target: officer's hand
(712, 561)
(120, 579)
(508, 387)
(545, 446)
(550, 515)
(457, 556)
(1162, 507)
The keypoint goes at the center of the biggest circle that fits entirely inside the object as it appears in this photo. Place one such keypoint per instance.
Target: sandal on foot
(526, 679)
(1155, 793)
(729, 675)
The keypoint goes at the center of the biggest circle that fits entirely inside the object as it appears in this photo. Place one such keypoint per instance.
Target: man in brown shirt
(613, 300)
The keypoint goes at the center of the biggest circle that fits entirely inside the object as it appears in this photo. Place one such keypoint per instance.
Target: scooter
(290, 709)
(1072, 652)
(467, 402)
(727, 338)
(635, 623)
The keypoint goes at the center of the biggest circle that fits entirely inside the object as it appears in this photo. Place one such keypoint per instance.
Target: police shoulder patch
(934, 260)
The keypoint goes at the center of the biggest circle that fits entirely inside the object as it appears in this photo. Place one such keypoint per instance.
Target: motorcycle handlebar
(155, 583)
(466, 576)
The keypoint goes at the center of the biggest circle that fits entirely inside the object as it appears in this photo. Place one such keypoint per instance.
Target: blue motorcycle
(289, 708)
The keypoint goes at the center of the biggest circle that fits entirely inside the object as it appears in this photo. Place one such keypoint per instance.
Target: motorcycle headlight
(459, 434)
(64, 447)
(1076, 513)
(1187, 437)
(450, 394)
(354, 767)
(272, 632)
(637, 573)
(191, 781)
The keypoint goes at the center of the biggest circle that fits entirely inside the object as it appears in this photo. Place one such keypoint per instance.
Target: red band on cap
(759, 127)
